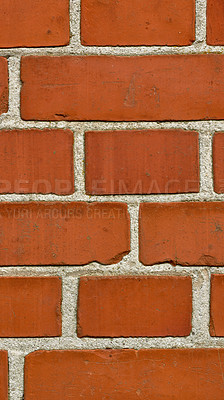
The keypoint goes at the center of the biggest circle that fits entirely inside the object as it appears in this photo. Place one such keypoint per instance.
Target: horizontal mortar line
(105, 344)
(131, 199)
(73, 272)
(30, 345)
(218, 270)
(77, 50)
(11, 122)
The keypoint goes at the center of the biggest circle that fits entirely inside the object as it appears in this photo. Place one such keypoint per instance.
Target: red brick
(134, 306)
(30, 307)
(217, 305)
(126, 23)
(63, 233)
(3, 375)
(150, 88)
(218, 162)
(4, 93)
(36, 161)
(153, 374)
(34, 23)
(182, 233)
(125, 162)
(215, 20)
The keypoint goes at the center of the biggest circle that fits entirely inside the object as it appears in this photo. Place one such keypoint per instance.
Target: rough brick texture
(3, 375)
(123, 374)
(35, 161)
(112, 199)
(125, 162)
(217, 305)
(34, 23)
(126, 23)
(3, 85)
(164, 87)
(218, 162)
(215, 27)
(182, 233)
(134, 306)
(63, 233)
(30, 307)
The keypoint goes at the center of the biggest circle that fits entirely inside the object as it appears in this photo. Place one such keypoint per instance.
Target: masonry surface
(111, 199)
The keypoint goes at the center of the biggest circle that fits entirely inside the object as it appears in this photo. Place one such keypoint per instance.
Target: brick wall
(111, 199)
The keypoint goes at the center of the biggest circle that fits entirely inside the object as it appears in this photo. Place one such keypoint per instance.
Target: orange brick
(218, 162)
(124, 374)
(145, 88)
(134, 306)
(131, 162)
(215, 19)
(34, 23)
(4, 91)
(30, 307)
(63, 233)
(217, 305)
(182, 233)
(36, 161)
(125, 23)
(3, 375)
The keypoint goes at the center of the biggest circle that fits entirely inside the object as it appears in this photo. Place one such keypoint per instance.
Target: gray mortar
(129, 265)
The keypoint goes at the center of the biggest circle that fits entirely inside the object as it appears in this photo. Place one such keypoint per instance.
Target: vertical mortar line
(14, 89)
(75, 26)
(76, 292)
(206, 171)
(16, 375)
(69, 299)
(133, 256)
(201, 306)
(200, 22)
(79, 161)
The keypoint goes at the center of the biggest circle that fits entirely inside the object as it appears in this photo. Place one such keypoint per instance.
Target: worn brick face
(35, 161)
(133, 162)
(182, 233)
(148, 88)
(63, 233)
(218, 162)
(34, 23)
(134, 306)
(126, 23)
(215, 17)
(216, 305)
(30, 307)
(121, 374)
(3, 375)
(3, 85)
